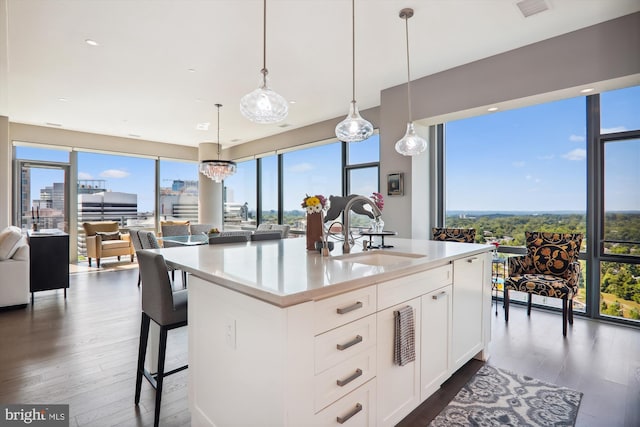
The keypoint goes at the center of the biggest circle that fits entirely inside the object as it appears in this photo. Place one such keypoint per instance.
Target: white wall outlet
(230, 332)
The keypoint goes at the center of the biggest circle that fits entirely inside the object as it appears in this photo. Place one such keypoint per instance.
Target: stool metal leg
(160, 374)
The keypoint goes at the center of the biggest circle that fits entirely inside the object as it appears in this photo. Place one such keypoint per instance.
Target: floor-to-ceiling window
(619, 251)
(519, 170)
(310, 171)
(527, 169)
(178, 193)
(362, 173)
(241, 197)
(269, 194)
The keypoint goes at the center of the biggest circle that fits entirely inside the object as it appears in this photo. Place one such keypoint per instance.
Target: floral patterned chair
(550, 268)
(463, 235)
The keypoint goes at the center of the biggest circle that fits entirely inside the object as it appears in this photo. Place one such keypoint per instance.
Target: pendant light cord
(218, 138)
(264, 43)
(406, 26)
(353, 50)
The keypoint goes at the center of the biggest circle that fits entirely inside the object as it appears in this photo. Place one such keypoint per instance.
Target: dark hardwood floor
(83, 352)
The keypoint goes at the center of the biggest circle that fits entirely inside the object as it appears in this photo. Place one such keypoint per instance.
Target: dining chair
(168, 309)
(173, 230)
(550, 269)
(200, 228)
(463, 235)
(215, 240)
(266, 235)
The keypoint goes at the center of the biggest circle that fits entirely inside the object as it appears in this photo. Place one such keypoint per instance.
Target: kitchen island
(284, 337)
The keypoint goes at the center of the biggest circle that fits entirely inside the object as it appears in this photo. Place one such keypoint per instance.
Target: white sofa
(14, 268)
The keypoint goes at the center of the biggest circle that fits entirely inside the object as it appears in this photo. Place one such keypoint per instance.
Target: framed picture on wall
(395, 184)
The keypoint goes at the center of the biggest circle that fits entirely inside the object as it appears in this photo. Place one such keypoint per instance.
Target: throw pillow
(552, 253)
(10, 241)
(111, 235)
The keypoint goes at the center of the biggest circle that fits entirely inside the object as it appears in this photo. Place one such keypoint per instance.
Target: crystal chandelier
(411, 143)
(218, 170)
(353, 128)
(263, 105)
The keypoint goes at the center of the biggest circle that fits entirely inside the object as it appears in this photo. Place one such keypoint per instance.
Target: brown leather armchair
(104, 239)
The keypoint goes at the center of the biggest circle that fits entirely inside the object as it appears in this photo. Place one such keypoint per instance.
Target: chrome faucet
(346, 246)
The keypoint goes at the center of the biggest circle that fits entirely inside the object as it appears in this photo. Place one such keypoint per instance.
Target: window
(178, 191)
(362, 173)
(240, 197)
(269, 189)
(310, 171)
(516, 171)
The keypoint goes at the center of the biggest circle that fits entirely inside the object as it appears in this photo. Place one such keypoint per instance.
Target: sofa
(14, 268)
(104, 239)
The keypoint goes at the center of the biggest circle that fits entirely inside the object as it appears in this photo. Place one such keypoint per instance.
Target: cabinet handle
(353, 342)
(437, 297)
(354, 411)
(350, 378)
(352, 307)
(471, 260)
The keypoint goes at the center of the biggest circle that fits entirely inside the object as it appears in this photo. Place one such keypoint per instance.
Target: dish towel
(404, 340)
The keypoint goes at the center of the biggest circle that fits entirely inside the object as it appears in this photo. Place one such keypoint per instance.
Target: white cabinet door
(436, 341)
(467, 335)
(398, 386)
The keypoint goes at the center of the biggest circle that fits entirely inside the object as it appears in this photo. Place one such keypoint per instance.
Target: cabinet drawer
(338, 345)
(405, 288)
(335, 311)
(356, 409)
(334, 383)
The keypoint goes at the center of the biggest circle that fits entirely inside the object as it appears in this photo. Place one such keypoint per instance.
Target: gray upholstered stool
(167, 309)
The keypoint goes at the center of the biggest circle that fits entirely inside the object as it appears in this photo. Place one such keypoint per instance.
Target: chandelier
(218, 170)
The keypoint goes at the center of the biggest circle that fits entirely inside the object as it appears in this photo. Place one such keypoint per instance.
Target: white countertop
(284, 273)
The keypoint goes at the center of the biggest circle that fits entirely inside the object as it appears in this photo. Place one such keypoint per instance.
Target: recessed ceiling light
(587, 90)
(134, 135)
(203, 126)
(492, 109)
(91, 42)
(53, 124)
(62, 99)
(292, 102)
(191, 70)
(236, 140)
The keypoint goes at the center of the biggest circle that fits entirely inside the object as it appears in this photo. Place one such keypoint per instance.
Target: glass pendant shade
(263, 105)
(411, 143)
(354, 128)
(217, 170)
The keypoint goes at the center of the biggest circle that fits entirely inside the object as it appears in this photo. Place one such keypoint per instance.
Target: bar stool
(167, 309)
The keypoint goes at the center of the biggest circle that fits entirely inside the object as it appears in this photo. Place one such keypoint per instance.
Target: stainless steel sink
(378, 258)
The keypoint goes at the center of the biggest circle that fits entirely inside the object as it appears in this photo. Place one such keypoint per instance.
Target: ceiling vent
(284, 125)
(531, 7)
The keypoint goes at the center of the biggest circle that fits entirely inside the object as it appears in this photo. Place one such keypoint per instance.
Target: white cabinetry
(330, 361)
(469, 286)
(435, 340)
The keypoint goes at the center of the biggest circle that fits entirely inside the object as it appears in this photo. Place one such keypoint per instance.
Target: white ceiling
(161, 65)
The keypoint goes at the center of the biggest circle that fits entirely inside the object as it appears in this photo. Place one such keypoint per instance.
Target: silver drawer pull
(354, 411)
(437, 297)
(353, 342)
(471, 260)
(352, 307)
(350, 378)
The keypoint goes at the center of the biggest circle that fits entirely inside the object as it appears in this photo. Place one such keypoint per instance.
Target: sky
(529, 159)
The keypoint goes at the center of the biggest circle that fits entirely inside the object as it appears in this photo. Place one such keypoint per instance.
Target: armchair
(550, 268)
(14, 268)
(104, 239)
(463, 235)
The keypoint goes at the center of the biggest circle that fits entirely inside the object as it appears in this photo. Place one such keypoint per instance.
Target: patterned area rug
(495, 397)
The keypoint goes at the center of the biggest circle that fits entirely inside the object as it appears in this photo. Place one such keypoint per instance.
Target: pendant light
(218, 170)
(353, 128)
(411, 143)
(263, 105)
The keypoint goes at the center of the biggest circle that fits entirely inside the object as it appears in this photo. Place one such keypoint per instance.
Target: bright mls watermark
(34, 415)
